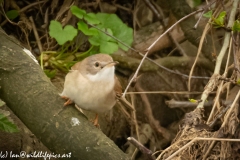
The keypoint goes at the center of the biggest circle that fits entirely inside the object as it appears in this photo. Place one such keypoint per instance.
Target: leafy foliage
(108, 23)
(219, 21)
(97, 27)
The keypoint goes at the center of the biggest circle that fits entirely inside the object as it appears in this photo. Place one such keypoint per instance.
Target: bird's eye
(96, 64)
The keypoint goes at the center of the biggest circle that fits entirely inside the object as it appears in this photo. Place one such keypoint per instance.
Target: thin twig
(31, 5)
(135, 117)
(141, 147)
(36, 35)
(198, 54)
(195, 26)
(166, 92)
(220, 86)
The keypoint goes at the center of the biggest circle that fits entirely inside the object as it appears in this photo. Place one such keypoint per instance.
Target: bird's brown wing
(118, 91)
(117, 87)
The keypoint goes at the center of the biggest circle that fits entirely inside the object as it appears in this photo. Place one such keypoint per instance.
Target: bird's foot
(68, 101)
(95, 121)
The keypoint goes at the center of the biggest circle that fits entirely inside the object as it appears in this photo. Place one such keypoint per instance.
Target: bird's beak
(111, 64)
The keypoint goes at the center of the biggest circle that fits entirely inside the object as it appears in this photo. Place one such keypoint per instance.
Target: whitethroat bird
(92, 85)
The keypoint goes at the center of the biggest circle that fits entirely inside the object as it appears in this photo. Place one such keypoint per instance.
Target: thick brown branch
(31, 96)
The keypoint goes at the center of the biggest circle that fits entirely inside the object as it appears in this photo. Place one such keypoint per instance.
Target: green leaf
(101, 37)
(208, 14)
(222, 15)
(91, 18)
(82, 26)
(6, 125)
(108, 47)
(219, 21)
(12, 14)
(236, 26)
(118, 28)
(62, 35)
(78, 12)
(94, 40)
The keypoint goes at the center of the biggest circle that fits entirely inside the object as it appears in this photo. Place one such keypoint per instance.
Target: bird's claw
(68, 101)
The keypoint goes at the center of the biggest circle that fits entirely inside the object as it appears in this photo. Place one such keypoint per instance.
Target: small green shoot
(208, 14)
(219, 21)
(193, 100)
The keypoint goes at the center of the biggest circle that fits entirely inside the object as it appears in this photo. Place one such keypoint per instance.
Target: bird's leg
(68, 101)
(95, 121)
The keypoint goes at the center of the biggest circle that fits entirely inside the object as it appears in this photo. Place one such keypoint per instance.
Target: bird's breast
(96, 96)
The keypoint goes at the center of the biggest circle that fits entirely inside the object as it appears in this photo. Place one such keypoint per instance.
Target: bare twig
(141, 147)
(185, 104)
(135, 117)
(195, 26)
(36, 36)
(198, 53)
(31, 5)
(166, 92)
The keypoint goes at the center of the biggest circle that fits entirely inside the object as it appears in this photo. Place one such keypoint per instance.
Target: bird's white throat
(106, 74)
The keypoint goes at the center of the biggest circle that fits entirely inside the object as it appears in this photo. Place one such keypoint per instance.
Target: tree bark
(32, 97)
